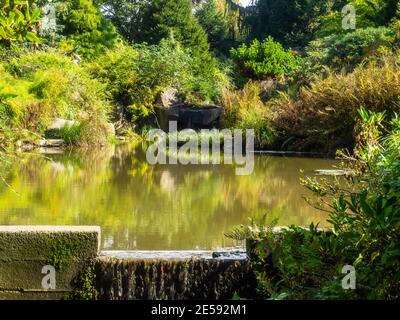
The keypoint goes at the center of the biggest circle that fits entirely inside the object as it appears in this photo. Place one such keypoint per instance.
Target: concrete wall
(24, 251)
(82, 272)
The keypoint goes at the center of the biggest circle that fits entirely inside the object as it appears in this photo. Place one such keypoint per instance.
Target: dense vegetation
(286, 68)
(364, 213)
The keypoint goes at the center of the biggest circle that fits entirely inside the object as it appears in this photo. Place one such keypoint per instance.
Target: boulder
(189, 117)
(169, 98)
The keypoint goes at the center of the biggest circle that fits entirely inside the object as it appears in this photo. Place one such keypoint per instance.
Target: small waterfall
(170, 279)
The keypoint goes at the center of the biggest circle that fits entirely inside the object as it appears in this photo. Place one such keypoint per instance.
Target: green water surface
(144, 207)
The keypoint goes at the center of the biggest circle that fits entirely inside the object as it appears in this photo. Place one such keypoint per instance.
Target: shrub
(244, 109)
(46, 84)
(364, 213)
(322, 116)
(18, 21)
(264, 59)
(85, 29)
(369, 14)
(136, 75)
(348, 50)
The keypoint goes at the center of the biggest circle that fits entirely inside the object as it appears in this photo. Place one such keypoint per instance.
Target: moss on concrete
(24, 251)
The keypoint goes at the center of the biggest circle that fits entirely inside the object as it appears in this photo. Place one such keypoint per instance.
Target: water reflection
(148, 207)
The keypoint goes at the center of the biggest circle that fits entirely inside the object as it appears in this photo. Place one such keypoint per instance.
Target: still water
(144, 207)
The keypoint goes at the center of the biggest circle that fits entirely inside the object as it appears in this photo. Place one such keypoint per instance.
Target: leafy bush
(39, 86)
(264, 59)
(348, 50)
(369, 14)
(136, 75)
(323, 116)
(84, 28)
(244, 109)
(364, 213)
(18, 21)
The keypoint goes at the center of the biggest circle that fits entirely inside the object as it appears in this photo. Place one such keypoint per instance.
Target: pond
(144, 207)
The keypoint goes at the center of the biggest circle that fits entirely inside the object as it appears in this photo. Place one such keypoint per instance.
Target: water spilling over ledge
(173, 275)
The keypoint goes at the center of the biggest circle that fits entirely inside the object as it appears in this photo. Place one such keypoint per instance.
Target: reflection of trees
(152, 207)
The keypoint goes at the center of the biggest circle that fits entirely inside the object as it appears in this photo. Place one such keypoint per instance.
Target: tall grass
(322, 116)
(244, 109)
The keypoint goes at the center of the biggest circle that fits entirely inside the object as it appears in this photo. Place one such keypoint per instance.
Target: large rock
(169, 98)
(189, 117)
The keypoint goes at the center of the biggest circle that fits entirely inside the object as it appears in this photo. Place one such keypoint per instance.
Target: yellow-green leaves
(18, 20)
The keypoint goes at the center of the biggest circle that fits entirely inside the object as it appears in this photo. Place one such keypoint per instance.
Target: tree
(84, 27)
(127, 16)
(292, 22)
(215, 25)
(161, 18)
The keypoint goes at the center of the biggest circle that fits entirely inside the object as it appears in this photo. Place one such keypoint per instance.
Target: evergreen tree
(215, 25)
(162, 18)
(84, 27)
(127, 17)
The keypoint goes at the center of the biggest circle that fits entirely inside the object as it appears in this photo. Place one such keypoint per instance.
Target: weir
(82, 271)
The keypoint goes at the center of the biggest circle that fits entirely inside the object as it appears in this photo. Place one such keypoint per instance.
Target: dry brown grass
(324, 115)
(244, 109)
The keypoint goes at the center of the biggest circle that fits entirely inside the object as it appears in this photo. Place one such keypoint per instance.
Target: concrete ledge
(25, 250)
(175, 255)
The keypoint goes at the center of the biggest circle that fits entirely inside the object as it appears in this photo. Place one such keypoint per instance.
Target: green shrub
(71, 134)
(18, 21)
(136, 75)
(38, 86)
(369, 14)
(348, 50)
(364, 213)
(85, 29)
(264, 59)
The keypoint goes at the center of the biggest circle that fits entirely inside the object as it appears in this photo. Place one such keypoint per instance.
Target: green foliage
(215, 25)
(84, 27)
(244, 109)
(367, 217)
(85, 283)
(364, 213)
(369, 14)
(38, 86)
(18, 22)
(292, 22)
(348, 50)
(135, 76)
(323, 115)
(127, 17)
(163, 18)
(264, 59)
